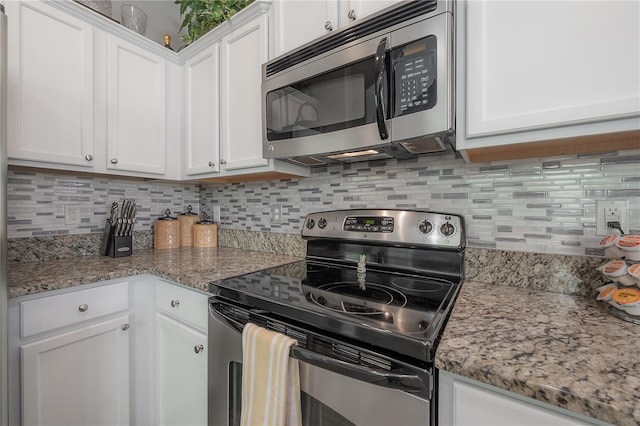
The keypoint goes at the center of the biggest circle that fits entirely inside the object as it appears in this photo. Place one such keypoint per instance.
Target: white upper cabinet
(201, 114)
(242, 53)
(297, 22)
(136, 109)
(301, 21)
(536, 70)
(50, 104)
(353, 10)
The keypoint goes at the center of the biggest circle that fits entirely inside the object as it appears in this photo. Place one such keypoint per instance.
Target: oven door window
(314, 412)
(335, 100)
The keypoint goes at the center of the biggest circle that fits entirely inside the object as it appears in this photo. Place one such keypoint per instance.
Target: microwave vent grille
(405, 12)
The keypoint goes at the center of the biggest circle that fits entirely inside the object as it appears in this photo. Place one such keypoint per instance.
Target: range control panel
(388, 226)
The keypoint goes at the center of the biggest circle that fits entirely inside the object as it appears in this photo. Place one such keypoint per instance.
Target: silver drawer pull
(175, 303)
(198, 348)
(124, 327)
(83, 307)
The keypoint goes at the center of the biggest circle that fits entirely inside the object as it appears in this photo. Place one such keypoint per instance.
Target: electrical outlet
(72, 215)
(611, 211)
(216, 214)
(276, 214)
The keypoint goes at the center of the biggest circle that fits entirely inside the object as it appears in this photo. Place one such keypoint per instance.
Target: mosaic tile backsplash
(541, 206)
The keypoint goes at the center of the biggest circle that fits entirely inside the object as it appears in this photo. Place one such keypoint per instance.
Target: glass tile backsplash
(544, 206)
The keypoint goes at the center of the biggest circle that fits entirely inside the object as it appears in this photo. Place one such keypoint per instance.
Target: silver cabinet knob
(175, 303)
(88, 157)
(124, 327)
(198, 348)
(328, 26)
(114, 161)
(352, 15)
(211, 163)
(223, 161)
(83, 307)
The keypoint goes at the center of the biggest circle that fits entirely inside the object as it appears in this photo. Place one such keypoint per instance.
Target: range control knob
(425, 227)
(311, 223)
(322, 223)
(447, 229)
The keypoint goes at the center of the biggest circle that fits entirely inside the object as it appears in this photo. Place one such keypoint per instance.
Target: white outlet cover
(622, 206)
(72, 215)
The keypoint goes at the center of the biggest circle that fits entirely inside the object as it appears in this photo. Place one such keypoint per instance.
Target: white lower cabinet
(465, 402)
(106, 354)
(182, 373)
(80, 377)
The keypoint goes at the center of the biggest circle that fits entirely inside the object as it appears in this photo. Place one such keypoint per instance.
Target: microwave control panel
(414, 70)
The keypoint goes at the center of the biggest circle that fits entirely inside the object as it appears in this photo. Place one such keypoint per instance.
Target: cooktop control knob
(425, 227)
(322, 223)
(311, 223)
(447, 229)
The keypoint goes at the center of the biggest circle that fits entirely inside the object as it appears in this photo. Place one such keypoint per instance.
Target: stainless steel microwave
(380, 88)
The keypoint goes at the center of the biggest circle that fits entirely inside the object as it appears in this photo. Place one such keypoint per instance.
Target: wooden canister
(205, 233)
(166, 234)
(187, 220)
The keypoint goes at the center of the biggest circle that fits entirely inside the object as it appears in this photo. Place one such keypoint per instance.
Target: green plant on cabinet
(200, 16)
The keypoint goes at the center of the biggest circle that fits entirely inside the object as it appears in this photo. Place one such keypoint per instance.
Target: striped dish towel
(270, 379)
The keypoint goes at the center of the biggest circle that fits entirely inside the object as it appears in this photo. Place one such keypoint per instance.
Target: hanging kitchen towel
(270, 379)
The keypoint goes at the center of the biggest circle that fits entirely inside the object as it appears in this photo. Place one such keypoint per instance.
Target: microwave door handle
(381, 54)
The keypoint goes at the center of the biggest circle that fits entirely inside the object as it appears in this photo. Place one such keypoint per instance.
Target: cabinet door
(50, 85)
(78, 378)
(533, 64)
(181, 373)
(202, 114)
(463, 402)
(301, 21)
(352, 10)
(242, 54)
(136, 109)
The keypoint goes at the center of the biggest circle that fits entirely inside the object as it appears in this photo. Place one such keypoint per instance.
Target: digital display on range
(368, 224)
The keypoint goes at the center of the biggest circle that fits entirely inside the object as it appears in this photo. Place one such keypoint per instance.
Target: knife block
(113, 245)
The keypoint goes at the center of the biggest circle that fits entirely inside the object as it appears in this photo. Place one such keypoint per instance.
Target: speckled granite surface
(66, 246)
(559, 349)
(189, 266)
(516, 331)
(549, 272)
(560, 274)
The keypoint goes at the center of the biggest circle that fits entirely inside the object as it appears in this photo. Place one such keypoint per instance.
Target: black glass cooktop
(407, 309)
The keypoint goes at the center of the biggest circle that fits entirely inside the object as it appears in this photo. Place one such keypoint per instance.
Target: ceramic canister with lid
(166, 234)
(205, 233)
(187, 220)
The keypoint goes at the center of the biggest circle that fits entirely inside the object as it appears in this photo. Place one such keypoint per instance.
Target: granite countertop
(559, 349)
(193, 267)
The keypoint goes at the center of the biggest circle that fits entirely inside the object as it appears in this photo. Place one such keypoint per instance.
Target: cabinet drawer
(51, 312)
(183, 304)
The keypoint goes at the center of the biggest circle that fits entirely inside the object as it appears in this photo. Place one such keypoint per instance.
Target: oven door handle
(417, 382)
(411, 383)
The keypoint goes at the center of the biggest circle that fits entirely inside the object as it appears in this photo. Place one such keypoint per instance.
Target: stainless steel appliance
(3, 218)
(380, 88)
(367, 307)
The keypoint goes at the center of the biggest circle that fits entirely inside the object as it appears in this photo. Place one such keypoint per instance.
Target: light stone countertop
(559, 349)
(193, 267)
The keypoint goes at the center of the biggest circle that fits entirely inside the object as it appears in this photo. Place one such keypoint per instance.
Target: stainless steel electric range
(367, 307)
